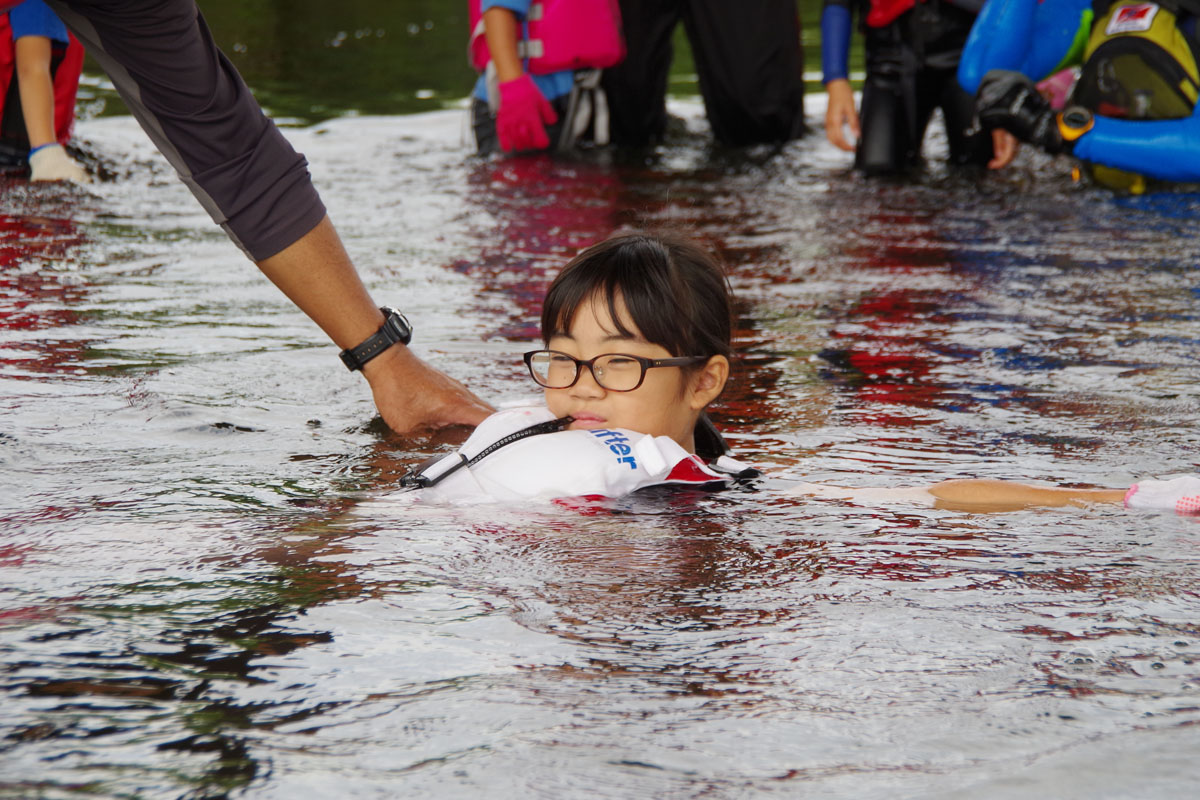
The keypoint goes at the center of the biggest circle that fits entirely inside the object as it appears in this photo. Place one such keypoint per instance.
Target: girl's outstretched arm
(982, 494)
(994, 495)
(1178, 493)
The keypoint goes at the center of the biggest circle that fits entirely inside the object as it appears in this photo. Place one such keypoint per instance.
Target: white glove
(51, 163)
(1180, 493)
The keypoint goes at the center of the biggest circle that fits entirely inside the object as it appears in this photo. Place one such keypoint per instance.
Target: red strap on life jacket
(66, 87)
(7, 58)
(883, 12)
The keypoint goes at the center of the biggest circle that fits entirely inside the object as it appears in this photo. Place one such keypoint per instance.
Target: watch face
(398, 324)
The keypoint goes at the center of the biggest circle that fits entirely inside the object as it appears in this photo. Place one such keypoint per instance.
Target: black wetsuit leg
(195, 107)
(637, 87)
(912, 69)
(946, 29)
(967, 145)
(751, 68)
(889, 140)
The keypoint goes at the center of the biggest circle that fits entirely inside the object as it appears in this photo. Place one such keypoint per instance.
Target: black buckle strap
(417, 479)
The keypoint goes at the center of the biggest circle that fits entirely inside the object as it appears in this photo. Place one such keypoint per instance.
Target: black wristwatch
(395, 329)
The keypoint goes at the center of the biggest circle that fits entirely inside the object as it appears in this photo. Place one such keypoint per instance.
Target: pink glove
(523, 115)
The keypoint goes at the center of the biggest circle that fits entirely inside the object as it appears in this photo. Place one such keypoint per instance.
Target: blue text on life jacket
(619, 444)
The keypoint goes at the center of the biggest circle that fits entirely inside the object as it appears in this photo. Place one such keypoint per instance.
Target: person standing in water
(912, 54)
(193, 104)
(748, 59)
(36, 32)
(540, 63)
(1131, 115)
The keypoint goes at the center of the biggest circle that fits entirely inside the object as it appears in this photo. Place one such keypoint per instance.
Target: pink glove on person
(523, 116)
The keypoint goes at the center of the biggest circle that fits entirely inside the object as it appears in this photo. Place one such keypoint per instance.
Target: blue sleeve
(518, 7)
(835, 42)
(1165, 149)
(33, 18)
(1029, 36)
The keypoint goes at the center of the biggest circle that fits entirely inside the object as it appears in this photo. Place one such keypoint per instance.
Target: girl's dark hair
(676, 293)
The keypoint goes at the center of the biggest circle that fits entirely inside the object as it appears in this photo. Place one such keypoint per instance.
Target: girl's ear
(708, 381)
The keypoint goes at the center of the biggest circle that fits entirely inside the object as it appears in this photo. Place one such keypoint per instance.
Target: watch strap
(395, 329)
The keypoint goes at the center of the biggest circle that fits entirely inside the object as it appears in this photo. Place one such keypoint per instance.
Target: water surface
(205, 594)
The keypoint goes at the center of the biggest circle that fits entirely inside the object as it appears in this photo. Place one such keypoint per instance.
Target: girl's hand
(841, 114)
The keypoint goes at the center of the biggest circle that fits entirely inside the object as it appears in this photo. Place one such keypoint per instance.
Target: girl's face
(668, 402)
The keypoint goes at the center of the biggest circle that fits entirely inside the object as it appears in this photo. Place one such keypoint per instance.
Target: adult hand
(1010, 100)
(523, 115)
(51, 163)
(1004, 149)
(411, 395)
(316, 274)
(841, 114)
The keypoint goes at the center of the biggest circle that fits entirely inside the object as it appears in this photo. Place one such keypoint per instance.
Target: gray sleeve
(198, 111)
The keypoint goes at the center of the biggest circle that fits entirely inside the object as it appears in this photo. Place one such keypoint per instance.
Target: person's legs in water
(751, 68)
(968, 146)
(911, 71)
(948, 27)
(637, 87)
(889, 141)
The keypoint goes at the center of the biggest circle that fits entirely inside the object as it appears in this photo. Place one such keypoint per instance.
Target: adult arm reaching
(192, 103)
(317, 275)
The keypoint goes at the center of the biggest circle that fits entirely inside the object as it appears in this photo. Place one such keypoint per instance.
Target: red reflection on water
(36, 298)
(889, 353)
(12, 556)
(547, 211)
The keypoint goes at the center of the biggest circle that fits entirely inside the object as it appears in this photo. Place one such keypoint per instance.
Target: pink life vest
(561, 35)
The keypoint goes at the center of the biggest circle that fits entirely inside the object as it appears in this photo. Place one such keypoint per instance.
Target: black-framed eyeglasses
(616, 372)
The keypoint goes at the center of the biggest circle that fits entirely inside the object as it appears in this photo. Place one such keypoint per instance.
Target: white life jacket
(522, 453)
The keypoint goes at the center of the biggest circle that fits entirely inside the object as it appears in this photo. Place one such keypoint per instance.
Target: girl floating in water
(636, 336)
